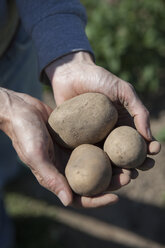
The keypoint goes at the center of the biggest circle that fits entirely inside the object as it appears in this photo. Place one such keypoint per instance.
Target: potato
(125, 147)
(88, 170)
(84, 119)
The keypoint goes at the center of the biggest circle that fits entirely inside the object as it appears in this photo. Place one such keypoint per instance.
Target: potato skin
(84, 119)
(88, 170)
(126, 147)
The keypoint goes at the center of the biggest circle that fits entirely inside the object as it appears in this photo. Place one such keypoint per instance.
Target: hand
(24, 119)
(75, 74)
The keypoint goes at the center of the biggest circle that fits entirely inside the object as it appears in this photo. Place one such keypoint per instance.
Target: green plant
(161, 135)
(128, 39)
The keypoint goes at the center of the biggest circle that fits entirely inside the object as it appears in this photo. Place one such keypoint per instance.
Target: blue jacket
(55, 26)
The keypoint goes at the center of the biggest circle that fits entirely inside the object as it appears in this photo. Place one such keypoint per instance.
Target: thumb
(141, 118)
(137, 110)
(50, 178)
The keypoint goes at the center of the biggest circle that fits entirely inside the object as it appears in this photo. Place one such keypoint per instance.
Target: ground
(136, 221)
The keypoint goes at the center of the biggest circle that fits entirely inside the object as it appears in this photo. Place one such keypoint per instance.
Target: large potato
(125, 147)
(88, 170)
(84, 119)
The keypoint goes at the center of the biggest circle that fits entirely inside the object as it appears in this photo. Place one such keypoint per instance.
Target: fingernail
(63, 197)
(149, 134)
(154, 147)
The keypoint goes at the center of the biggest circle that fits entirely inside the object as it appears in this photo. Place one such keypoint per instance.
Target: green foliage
(161, 135)
(128, 38)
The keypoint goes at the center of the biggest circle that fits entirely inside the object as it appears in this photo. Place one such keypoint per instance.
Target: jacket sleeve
(57, 27)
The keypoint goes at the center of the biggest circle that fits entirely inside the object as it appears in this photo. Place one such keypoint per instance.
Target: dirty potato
(88, 170)
(84, 119)
(126, 147)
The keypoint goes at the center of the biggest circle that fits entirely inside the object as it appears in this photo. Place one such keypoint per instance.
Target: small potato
(125, 147)
(88, 170)
(84, 119)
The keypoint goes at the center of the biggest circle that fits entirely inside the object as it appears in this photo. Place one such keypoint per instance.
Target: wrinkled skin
(24, 119)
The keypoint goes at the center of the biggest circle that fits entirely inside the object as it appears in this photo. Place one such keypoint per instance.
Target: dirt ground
(136, 221)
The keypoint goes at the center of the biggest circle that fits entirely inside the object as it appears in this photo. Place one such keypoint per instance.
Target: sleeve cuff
(59, 35)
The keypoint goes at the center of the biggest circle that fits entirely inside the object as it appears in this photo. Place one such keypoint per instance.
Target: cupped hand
(76, 74)
(25, 122)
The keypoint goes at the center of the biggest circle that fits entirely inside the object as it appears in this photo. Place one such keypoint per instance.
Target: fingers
(137, 110)
(154, 147)
(121, 177)
(147, 165)
(141, 120)
(42, 162)
(49, 177)
(141, 117)
(119, 181)
(95, 202)
(132, 173)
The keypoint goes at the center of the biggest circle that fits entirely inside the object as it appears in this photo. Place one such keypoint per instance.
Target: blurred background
(128, 38)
